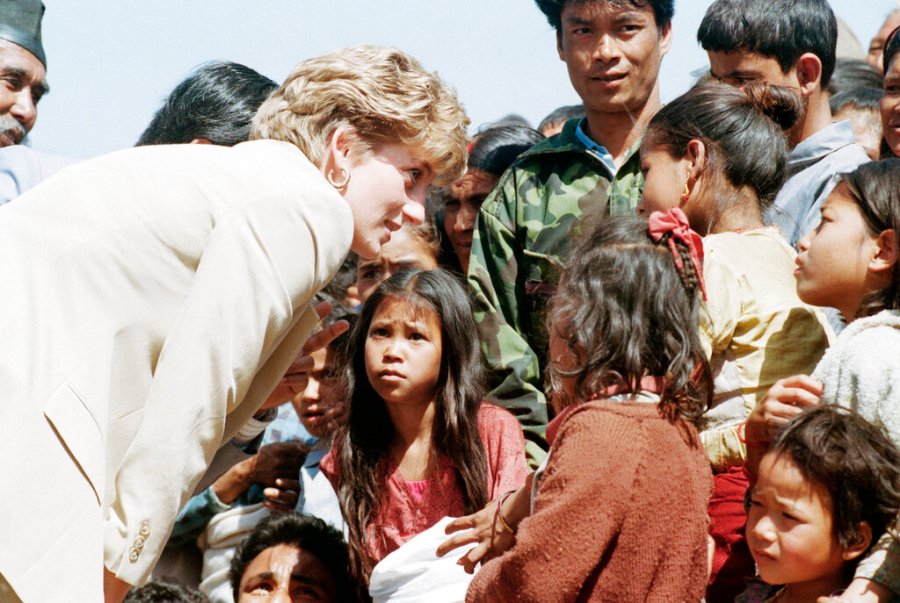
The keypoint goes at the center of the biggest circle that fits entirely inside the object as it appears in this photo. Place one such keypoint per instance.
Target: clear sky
(110, 63)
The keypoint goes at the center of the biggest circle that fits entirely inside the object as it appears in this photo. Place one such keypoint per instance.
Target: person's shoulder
(872, 334)
(492, 415)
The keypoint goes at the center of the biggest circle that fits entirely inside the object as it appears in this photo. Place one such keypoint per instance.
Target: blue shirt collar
(597, 150)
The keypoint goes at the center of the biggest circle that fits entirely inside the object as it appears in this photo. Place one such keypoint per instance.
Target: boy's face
(315, 405)
(286, 573)
(739, 68)
(789, 526)
(613, 52)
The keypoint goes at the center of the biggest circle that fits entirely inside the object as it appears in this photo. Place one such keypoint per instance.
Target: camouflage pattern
(524, 230)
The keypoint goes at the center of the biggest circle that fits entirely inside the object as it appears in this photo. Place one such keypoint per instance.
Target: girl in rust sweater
(618, 510)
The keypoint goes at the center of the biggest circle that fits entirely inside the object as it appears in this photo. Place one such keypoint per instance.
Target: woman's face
(385, 188)
(403, 251)
(461, 205)
(833, 264)
(890, 105)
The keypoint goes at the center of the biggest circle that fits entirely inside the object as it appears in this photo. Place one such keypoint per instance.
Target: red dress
(405, 514)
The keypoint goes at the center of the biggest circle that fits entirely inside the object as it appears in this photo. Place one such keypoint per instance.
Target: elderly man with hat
(23, 68)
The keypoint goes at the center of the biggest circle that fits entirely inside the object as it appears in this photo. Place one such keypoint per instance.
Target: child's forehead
(410, 308)
(781, 477)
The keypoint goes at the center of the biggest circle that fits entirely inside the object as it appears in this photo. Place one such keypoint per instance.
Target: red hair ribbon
(674, 223)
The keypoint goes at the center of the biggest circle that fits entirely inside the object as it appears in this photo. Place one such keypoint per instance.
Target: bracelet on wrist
(503, 522)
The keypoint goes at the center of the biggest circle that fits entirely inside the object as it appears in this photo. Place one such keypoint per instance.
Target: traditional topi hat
(20, 23)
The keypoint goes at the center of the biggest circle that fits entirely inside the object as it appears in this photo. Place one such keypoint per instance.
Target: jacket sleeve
(243, 321)
(497, 289)
(574, 511)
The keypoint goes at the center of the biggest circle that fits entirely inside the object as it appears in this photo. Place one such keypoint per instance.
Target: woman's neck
(411, 447)
(741, 213)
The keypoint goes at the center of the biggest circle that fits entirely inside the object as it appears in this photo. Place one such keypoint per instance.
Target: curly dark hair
(853, 459)
(626, 312)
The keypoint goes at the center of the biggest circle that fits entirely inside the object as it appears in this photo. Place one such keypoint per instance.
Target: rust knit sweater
(620, 514)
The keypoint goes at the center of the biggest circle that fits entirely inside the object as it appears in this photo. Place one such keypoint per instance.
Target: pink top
(405, 513)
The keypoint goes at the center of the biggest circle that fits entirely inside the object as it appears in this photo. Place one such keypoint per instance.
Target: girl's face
(403, 352)
(664, 180)
(833, 265)
(789, 527)
(401, 252)
(890, 106)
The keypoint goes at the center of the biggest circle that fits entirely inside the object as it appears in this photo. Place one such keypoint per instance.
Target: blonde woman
(152, 298)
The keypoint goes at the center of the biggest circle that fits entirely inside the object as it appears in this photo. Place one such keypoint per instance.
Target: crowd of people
(315, 342)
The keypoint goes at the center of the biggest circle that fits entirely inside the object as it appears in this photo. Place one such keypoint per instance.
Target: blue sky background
(111, 63)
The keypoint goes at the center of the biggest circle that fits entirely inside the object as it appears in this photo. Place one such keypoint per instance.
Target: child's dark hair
(875, 186)
(626, 312)
(781, 29)
(663, 10)
(365, 444)
(852, 74)
(494, 149)
(304, 531)
(858, 99)
(853, 460)
(743, 132)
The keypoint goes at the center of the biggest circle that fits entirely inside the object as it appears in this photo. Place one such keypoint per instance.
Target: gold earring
(343, 182)
(686, 191)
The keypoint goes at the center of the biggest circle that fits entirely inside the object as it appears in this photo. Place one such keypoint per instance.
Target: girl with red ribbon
(719, 154)
(603, 519)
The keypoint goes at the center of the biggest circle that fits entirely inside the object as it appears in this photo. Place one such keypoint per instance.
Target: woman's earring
(345, 178)
(686, 191)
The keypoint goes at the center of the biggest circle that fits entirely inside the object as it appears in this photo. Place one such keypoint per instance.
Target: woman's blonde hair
(382, 94)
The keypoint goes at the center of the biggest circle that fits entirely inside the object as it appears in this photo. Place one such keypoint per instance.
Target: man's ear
(809, 73)
(559, 45)
(886, 256)
(860, 543)
(665, 38)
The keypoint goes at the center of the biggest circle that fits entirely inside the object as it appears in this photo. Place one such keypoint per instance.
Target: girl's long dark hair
(365, 444)
(875, 186)
(626, 312)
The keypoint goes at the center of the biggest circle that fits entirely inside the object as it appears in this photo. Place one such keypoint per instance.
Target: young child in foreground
(618, 512)
(850, 262)
(420, 444)
(828, 487)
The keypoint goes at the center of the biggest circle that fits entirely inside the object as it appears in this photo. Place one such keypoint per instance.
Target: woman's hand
(489, 538)
(784, 400)
(297, 375)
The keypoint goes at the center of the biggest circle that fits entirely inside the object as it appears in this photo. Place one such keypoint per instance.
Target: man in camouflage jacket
(525, 227)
